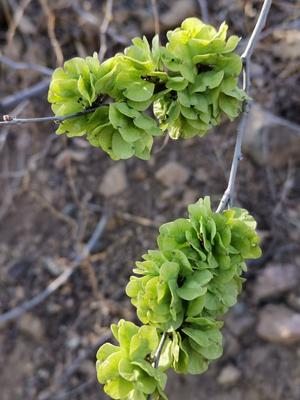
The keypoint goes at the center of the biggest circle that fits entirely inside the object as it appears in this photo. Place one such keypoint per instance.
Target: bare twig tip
(7, 118)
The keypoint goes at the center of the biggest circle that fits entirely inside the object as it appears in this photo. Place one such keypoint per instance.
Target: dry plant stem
(158, 353)
(16, 98)
(56, 213)
(104, 27)
(227, 198)
(93, 20)
(18, 15)
(155, 17)
(74, 366)
(81, 388)
(204, 10)
(159, 350)
(4, 133)
(23, 65)
(58, 282)
(50, 17)
(165, 142)
(17, 121)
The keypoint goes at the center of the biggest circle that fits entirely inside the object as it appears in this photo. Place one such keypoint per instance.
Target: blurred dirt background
(55, 190)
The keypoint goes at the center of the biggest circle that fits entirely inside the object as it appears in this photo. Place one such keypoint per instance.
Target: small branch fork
(228, 195)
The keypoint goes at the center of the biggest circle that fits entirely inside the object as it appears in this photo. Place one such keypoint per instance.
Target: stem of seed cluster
(158, 354)
(227, 198)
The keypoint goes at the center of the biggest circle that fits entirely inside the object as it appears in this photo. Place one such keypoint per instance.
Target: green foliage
(194, 346)
(216, 245)
(183, 287)
(203, 78)
(120, 128)
(155, 293)
(72, 90)
(189, 84)
(197, 269)
(125, 370)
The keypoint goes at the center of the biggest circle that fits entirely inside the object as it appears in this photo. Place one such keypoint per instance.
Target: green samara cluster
(191, 280)
(203, 75)
(187, 85)
(125, 370)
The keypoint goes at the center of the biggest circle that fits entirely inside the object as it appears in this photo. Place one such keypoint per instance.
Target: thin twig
(17, 121)
(138, 220)
(56, 213)
(5, 131)
(58, 282)
(254, 38)
(23, 65)
(104, 27)
(227, 198)
(155, 17)
(204, 10)
(286, 189)
(50, 17)
(285, 25)
(158, 354)
(75, 365)
(77, 362)
(165, 142)
(159, 350)
(18, 15)
(94, 21)
(75, 391)
(16, 98)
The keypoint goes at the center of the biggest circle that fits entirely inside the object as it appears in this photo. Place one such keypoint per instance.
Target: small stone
(114, 181)
(231, 345)
(69, 303)
(174, 15)
(189, 197)
(32, 326)
(81, 143)
(172, 174)
(293, 300)
(274, 280)
(87, 367)
(43, 374)
(53, 308)
(271, 140)
(229, 375)
(68, 155)
(240, 323)
(279, 324)
(19, 293)
(167, 194)
(52, 267)
(139, 174)
(73, 342)
(201, 174)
